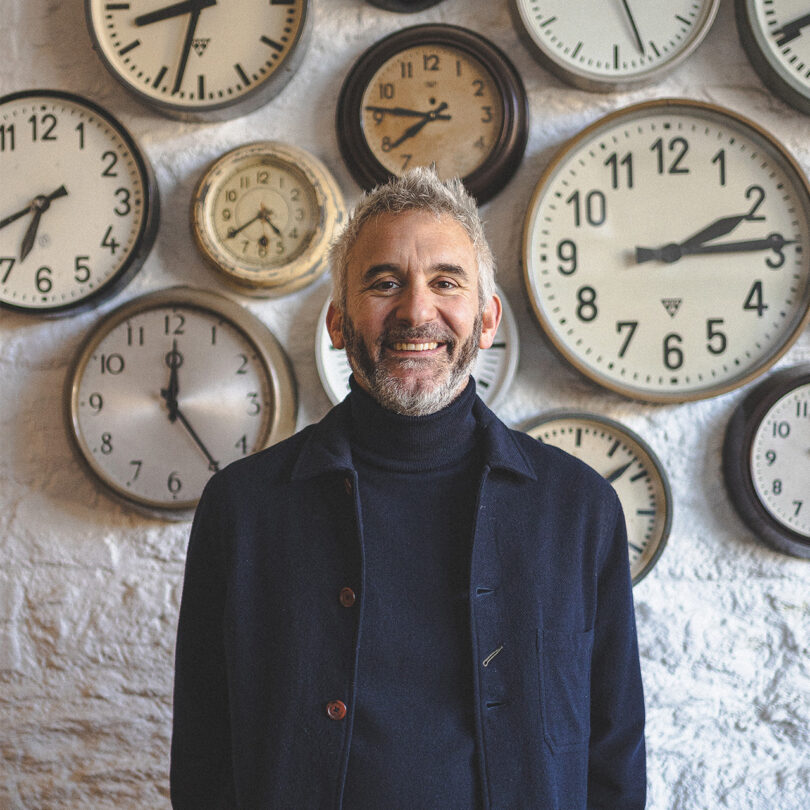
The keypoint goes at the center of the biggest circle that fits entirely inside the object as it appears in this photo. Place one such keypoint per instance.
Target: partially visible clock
(264, 214)
(667, 250)
(171, 387)
(200, 59)
(404, 5)
(766, 460)
(625, 460)
(79, 207)
(776, 37)
(493, 370)
(611, 46)
(434, 94)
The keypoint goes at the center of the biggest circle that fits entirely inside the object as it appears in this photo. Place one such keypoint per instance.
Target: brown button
(347, 597)
(336, 709)
(347, 485)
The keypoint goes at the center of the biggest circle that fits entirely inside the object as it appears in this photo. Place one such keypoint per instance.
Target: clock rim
(655, 462)
(272, 357)
(501, 163)
(769, 69)
(584, 80)
(566, 151)
(147, 232)
(396, 5)
(737, 444)
(226, 109)
(309, 265)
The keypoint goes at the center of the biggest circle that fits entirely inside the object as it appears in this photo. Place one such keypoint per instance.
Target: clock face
(170, 388)
(265, 215)
(199, 58)
(79, 203)
(433, 94)
(493, 370)
(610, 45)
(667, 251)
(776, 35)
(766, 460)
(628, 463)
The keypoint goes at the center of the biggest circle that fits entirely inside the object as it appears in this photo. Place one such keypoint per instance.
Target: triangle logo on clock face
(671, 305)
(200, 45)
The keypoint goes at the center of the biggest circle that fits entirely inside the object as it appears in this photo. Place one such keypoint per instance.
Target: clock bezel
(593, 83)
(274, 361)
(305, 267)
(504, 158)
(228, 108)
(565, 153)
(144, 239)
(738, 442)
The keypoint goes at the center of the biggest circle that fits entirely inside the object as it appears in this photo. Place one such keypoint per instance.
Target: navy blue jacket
(266, 645)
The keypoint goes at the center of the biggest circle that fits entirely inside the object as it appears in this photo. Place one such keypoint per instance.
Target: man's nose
(416, 305)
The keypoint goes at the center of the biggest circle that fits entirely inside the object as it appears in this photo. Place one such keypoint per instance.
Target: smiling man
(408, 605)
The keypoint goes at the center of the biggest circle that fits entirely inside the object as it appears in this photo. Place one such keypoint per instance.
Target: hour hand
(40, 204)
(174, 10)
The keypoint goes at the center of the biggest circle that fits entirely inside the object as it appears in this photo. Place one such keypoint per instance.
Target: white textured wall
(89, 591)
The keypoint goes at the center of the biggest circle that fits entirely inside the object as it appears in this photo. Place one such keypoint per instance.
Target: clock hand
(671, 253)
(234, 231)
(617, 473)
(213, 465)
(792, 30)
(265, 216)
(190, 29)
(633, 26)
(174, 10)
(402, 111)
(40, 204)
(415, 128)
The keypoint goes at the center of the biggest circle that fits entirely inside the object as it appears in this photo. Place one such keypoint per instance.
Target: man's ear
(490, 318)
(334, 325)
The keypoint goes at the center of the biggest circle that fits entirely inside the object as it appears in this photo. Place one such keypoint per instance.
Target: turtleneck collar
(391, 440)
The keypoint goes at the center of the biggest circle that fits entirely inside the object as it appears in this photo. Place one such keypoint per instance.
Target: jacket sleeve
(617, 764)
(201, 774)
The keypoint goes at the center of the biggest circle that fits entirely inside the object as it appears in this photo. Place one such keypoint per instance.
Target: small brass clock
(434, 94)
(264, 215)
(625, 460)
(169, 388)
(200, 59)
(766, 460)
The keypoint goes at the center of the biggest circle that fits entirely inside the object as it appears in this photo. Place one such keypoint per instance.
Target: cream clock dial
(493, 370)
(616, 44)
(200, 59)
(629, 464)
(776, 36)
(79, 204)
(667, 251)
(264, 214)
(766, 460)
(168, 389)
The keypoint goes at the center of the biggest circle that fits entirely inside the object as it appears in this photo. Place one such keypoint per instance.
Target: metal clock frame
(497, 169)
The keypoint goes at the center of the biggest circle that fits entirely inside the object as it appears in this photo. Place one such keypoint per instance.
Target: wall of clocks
(146, 97)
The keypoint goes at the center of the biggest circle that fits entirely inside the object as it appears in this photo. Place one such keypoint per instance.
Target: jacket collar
(327, 447)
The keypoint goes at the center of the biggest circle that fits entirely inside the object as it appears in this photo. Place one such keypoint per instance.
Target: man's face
(412, 324)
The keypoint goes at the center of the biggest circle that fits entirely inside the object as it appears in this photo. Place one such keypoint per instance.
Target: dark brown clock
(434, 94)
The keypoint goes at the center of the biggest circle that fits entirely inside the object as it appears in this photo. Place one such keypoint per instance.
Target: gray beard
(390, 391)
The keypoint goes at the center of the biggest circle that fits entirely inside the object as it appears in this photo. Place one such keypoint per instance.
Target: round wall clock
(201, 59)
(766, 460)
(493, 370)
(264, 214)
(776, 37)
(404, 5)
(666, 251)
(612, 46)
(171, 387)
(79, 206)
(629, 464)
(434, 94)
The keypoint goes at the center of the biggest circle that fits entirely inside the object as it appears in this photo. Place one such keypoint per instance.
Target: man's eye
(385, 285)
(444, 284)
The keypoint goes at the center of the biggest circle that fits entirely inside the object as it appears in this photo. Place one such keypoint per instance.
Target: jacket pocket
(565, 687)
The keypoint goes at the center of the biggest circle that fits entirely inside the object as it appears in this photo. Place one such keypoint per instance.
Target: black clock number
(586, 309)
(137, 464)
(759, 192)
(770, 457)
(111, 159)
(9, 261)
(243, 365)
(241, 444)
(45, 132)
(615, 175)
(109, 242)
(430, 61)
(80, 130)
(124, 205)
(478, 84)
(81, 271)
(673, 354)
(96, 402)
(176, 320)
(254, 408)
(712, 334)
(6, 137)
(754, 300)
(679, 147)
(43, 279)
(106, 443)
(386, 92)
(112, 363)
(620, 327)
(595, 208)
(567, 254)
(720, 160)
(174, 484)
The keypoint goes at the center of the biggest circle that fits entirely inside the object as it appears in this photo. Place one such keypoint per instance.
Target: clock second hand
(174, 360)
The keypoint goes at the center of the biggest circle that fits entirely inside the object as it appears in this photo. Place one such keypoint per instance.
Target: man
(408, 605)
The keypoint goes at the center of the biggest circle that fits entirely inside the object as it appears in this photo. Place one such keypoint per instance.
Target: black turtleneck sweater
(413, 738)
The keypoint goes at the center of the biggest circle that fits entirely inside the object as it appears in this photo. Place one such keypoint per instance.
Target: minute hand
(774, 241)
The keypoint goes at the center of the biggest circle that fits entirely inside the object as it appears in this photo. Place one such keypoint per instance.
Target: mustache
(428, 333)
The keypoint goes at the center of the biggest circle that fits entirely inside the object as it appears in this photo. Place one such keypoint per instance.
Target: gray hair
(419, 189)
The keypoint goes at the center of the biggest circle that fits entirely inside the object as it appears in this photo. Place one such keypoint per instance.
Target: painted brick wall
(89, 591)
